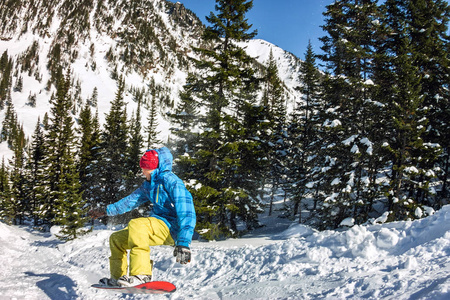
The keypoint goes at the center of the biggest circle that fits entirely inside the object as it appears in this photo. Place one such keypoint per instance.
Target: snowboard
(152, 287)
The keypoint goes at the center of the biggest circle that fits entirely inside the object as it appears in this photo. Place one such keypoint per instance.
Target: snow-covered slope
(287, 63)
(160, 59)
(401, 260)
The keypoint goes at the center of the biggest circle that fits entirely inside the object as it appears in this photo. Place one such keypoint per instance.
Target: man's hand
(183, 254)
(97, 212)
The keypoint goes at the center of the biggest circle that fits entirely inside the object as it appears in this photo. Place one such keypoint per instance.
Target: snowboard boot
(108, 282)
(133, 280)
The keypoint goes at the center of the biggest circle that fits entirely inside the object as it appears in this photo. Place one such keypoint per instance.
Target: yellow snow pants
(137, 237)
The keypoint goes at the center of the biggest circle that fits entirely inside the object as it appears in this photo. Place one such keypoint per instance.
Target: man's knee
(119, 240)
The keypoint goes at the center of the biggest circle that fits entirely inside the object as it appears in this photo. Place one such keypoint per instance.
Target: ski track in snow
(401, 260)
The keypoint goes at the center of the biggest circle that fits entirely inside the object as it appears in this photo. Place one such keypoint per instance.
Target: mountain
(146, 41)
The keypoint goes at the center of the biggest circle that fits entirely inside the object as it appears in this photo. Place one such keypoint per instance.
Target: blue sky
(289, 24)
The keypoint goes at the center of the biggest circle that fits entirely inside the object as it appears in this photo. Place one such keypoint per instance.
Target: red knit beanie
(149, 160)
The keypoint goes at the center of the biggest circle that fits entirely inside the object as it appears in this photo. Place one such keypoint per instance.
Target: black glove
(183, 254)
(97, 212)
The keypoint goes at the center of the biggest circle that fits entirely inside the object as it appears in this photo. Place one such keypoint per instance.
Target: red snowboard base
(152, 287)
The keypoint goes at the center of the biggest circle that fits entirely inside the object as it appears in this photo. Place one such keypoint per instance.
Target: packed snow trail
(401, 260)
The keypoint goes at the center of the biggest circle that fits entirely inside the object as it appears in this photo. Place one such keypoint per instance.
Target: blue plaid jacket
(172, 202)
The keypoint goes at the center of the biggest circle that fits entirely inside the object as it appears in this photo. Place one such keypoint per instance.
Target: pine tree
(6, 67)
(93, 101)
(347, 157)
(10, 126)
(114, 142)
(58, 191)
(6, 205)
(274, 102)
(36, 155)
(152, 121)
(225, 86)
(88, 152)
(134, 152)
(304, 133)
(4, 181)
(71, 208)
(20, 207)
(185, 117)
(19, 85)
(405, 115)
(428, 27)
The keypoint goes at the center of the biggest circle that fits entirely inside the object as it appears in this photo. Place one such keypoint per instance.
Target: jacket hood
(165, 160)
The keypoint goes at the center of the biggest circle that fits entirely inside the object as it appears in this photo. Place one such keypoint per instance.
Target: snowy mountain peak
(146, 41)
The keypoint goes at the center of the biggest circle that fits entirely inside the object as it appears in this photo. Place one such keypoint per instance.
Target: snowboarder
(171, 222)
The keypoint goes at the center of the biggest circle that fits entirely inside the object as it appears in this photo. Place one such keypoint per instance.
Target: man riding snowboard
(171, 222)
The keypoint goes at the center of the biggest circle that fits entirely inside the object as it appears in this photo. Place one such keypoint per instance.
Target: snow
(350, 140)
(400, 260)
(332, 124)
(347, 222)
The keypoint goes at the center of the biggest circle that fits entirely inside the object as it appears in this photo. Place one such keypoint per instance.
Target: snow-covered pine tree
(58, 190)
(9, 126)
(19, 188)
(152, 123)
(347, 156)
(114, 142)
(35, 155)
(428, 26)
(89, 147)
(405, 116)
(134, 152)
(6, 66)
(5, 193)
(94, 98)
(184, 119)
(225, 86)
(274, 145)
(304, 134)
(71, 207)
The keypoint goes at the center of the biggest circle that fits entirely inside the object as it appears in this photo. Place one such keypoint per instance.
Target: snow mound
(401, 260)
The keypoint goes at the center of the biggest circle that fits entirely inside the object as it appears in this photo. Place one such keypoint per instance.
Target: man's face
(147, 173)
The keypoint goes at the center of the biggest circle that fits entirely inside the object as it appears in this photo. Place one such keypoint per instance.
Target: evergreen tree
(71, 208)
(304, 133)
(6, 204)
(114, 142)
(9, 126)
(225, 86)
(32, 100)
(93, 101)
(347, 159)
(92, 183)
(58, 191)
(152, 121)
(6, 67)
(405, 115)
(134, 152)
(88, 152)
(36, 155)
(19, 201)
(19, 85)
(185, 117)
(4, 182)
(428, 27)
(274, 102)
